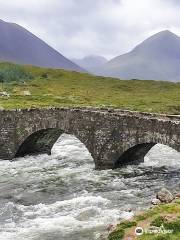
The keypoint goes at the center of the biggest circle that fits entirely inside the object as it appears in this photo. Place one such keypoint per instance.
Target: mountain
(18, 45)
(157, 58)
(91, 63)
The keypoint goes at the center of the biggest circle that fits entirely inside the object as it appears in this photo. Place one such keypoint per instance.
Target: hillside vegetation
(29, 86)
(166, 217)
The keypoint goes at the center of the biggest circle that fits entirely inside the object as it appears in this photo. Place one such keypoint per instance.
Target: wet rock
(165, 196)
(128, 209)
(155, 201)
(177, 195)
(103, 237)
(111, 227)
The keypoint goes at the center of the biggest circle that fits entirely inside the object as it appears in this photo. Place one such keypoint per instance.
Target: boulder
(111, 227)
(156, 201)
(177, 195)
(165, 196)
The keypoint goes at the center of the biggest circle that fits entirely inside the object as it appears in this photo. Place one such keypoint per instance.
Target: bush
(128, 224)
(13, 73)
(117, 235)
(175, 226)
(158, 221)
(44, 75)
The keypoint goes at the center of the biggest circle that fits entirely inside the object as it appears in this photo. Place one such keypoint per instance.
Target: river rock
(165, 196)
(111, 227)
(156, 201)
(177, 195)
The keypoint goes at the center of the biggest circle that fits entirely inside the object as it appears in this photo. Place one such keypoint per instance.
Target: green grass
(174, 226)
(153, 217)
(120, 231)
(58, 88)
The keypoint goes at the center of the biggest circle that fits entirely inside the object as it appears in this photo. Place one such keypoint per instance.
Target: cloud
(81, 27)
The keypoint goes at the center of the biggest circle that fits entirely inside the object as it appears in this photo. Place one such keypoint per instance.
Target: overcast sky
(83, 27)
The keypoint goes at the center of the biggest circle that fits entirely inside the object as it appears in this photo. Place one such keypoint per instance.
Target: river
(62, 197)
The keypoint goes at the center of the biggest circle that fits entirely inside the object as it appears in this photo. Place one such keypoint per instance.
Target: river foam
(62, 197)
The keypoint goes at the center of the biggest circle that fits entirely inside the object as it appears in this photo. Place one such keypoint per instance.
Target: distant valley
(156, 58)
(91, 63)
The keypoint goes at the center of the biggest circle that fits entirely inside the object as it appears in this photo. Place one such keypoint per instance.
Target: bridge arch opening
(46, 141)
(138, 153)
(134, 155)
(39, 142)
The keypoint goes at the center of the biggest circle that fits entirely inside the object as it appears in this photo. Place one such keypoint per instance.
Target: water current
(62, 197)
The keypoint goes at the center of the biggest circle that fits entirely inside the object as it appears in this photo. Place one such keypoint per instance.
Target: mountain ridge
(156, 58)
(18, 45)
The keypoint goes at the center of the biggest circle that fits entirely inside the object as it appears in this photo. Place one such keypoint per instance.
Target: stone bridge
(113, 137)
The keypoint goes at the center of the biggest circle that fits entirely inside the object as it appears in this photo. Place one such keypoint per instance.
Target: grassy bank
(167, 215)
(37, 87)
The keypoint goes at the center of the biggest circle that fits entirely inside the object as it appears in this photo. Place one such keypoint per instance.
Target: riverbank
(161, 222)
(28, 87)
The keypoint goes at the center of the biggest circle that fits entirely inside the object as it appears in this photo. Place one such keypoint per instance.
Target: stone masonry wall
(106, 133)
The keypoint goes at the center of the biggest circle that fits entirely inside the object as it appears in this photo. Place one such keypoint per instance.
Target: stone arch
(134, 154)
(42, 142)
(39, 142)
